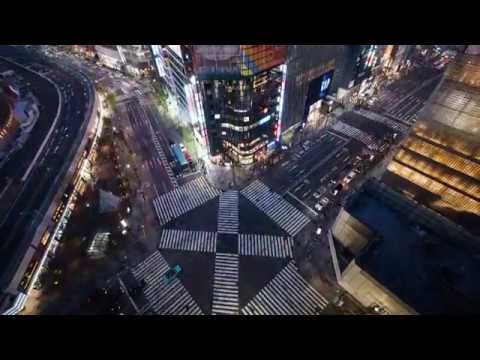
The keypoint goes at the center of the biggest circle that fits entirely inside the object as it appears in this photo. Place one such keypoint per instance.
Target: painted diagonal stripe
(187, 240)
(286, 294)
(228, 213)
(225, 285)
(163, 299)
(284, 214)
(183, 199)
(265, 245)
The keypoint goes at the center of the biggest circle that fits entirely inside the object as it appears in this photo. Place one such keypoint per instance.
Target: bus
(178, 154)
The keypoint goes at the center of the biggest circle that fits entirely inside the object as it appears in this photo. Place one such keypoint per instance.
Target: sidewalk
(225, 178)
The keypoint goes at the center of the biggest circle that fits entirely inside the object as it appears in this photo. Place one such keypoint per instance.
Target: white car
(318, 206)
(319, 231)
(324, 201)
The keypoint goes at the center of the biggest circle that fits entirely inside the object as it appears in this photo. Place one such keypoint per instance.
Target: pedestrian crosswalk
(154, 162)
(183, 199)
(286, 294)
(163, 158)
(265, 245)
(187, 240)
(138, 117)
(225, 285)
(355, 133)
(394, 125)
(228, 213)
(284, 214)
(163, 298)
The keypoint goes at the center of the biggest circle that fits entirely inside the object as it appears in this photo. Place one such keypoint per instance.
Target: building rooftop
(434, 267)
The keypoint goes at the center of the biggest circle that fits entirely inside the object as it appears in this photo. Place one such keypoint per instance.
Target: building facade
(355, 68)
(235, 94)
(136, 59)
(438, 165)
(309, 73)
(409, 243)
(170, 62)
(109, 56)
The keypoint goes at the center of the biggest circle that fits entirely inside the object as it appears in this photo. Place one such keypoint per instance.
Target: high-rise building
(136, 59)
(439, 163)
(109, 56)
(309, 69)
(354, 68)
(237, 92)
(170, 61)
(87, 51)
(395, 57)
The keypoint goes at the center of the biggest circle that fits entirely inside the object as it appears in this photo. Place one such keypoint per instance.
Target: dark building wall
(346, 66)
(305, 64)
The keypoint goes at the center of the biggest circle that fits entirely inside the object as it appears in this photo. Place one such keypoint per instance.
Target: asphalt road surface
(31, 197)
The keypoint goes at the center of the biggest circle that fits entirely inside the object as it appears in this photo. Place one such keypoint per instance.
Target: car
(318, 231)
(324, 201)
(316, 195)
(319, 206)
(172, 273)
(337, 189)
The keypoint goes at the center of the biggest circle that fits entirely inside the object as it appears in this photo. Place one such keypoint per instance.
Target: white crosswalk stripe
(187, 240)
(228, 213)
(265, 245)
(286, 294)
(138, 117)
(162, 156)
(163, 298)
(183, 199)
(225, 285)
(284, 214)
(355, 133)
(383, 120)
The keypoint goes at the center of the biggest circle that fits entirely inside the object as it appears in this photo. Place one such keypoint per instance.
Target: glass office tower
(239, 90)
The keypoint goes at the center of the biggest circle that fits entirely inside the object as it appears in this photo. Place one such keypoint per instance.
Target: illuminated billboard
(258, 58)
(236, 61)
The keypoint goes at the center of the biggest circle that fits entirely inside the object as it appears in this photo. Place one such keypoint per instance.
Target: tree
(111, 100)
(161, 96)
